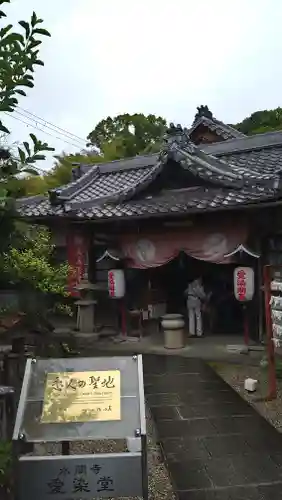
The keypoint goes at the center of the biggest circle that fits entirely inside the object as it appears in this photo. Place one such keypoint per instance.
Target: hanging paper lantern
(116, 283)
(244, 283)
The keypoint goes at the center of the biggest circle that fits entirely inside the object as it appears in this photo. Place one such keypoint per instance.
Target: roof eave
(72, 218)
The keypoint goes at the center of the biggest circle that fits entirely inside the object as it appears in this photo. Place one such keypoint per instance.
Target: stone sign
(80, 477)
(78, 399)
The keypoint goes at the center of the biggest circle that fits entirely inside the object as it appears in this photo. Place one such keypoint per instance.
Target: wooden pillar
(261, 315)
(77, 254)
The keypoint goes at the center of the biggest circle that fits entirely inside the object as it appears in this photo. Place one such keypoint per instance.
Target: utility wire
(47, 126)
(64, 132)
(39, 129)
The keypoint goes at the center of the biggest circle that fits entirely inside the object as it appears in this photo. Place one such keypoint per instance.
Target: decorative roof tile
(220, 128)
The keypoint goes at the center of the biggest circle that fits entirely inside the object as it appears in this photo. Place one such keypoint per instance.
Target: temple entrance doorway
(221, 312)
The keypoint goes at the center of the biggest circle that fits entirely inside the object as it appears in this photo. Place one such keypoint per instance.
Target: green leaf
(3, 193)
(31, 171)
(25, 25)
(22, 155)
(3, 128)
(2, 14)
(11, 38)
(17, 37)
(39, 157)
(21, 92)
(48, 148)
(26, 83)
(8, 104)
(34, 139)
(12, 101)
(41, 31)
(4, 1)
(26, 145)
(34, 43)
(6, 108)
(5, 30)
(39, 62)
(33, 19)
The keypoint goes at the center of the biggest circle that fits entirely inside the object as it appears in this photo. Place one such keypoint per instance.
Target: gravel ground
(160, 487)
(235, 375)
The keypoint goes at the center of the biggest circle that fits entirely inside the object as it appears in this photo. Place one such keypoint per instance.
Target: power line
(47, 126)
(52, 125)
(39, 129)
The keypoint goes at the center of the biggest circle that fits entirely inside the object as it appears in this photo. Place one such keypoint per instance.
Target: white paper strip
(276, 315)
(277, 342)
(277, 330)
(276, 302)
(276, 285)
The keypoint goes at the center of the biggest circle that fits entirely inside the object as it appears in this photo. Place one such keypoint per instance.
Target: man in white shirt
(195, 294)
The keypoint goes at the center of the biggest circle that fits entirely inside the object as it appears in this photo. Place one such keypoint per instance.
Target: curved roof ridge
(29, 200)
(208, 166)
(72, 188)
(246, 143)
(217, 126)
(133, 188)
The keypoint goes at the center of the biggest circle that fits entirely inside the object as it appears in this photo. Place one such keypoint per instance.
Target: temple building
(209, 200)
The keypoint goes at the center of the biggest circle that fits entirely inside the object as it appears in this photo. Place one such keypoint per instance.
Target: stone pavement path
(216, 446)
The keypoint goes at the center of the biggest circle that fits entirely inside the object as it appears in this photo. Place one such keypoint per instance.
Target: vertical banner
(76, 251)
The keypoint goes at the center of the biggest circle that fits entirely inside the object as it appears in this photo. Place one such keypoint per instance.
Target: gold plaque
(81, 397)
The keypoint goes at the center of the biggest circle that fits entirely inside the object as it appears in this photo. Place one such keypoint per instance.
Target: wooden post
(260, 298)
(65, 448)
(123, 318)
(246, 325)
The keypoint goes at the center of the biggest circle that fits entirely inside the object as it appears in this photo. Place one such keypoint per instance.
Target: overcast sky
(107, 57)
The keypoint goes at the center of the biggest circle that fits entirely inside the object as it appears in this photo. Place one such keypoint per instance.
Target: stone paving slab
(216, 446)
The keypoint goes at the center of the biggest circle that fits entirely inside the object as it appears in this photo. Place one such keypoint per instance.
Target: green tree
(19, 56)
(127, 135)
(261, 122)
(30, 265)
(59, 175)
(121, 137)
(30, 185)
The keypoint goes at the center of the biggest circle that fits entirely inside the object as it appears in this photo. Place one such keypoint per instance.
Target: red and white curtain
(210, 244)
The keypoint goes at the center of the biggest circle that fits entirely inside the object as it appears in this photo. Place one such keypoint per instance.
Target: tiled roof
(117, 184)
(169, 203)
(261, 154)
(239, 172)
(220, 128)
(245, 143)
(177, 203)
